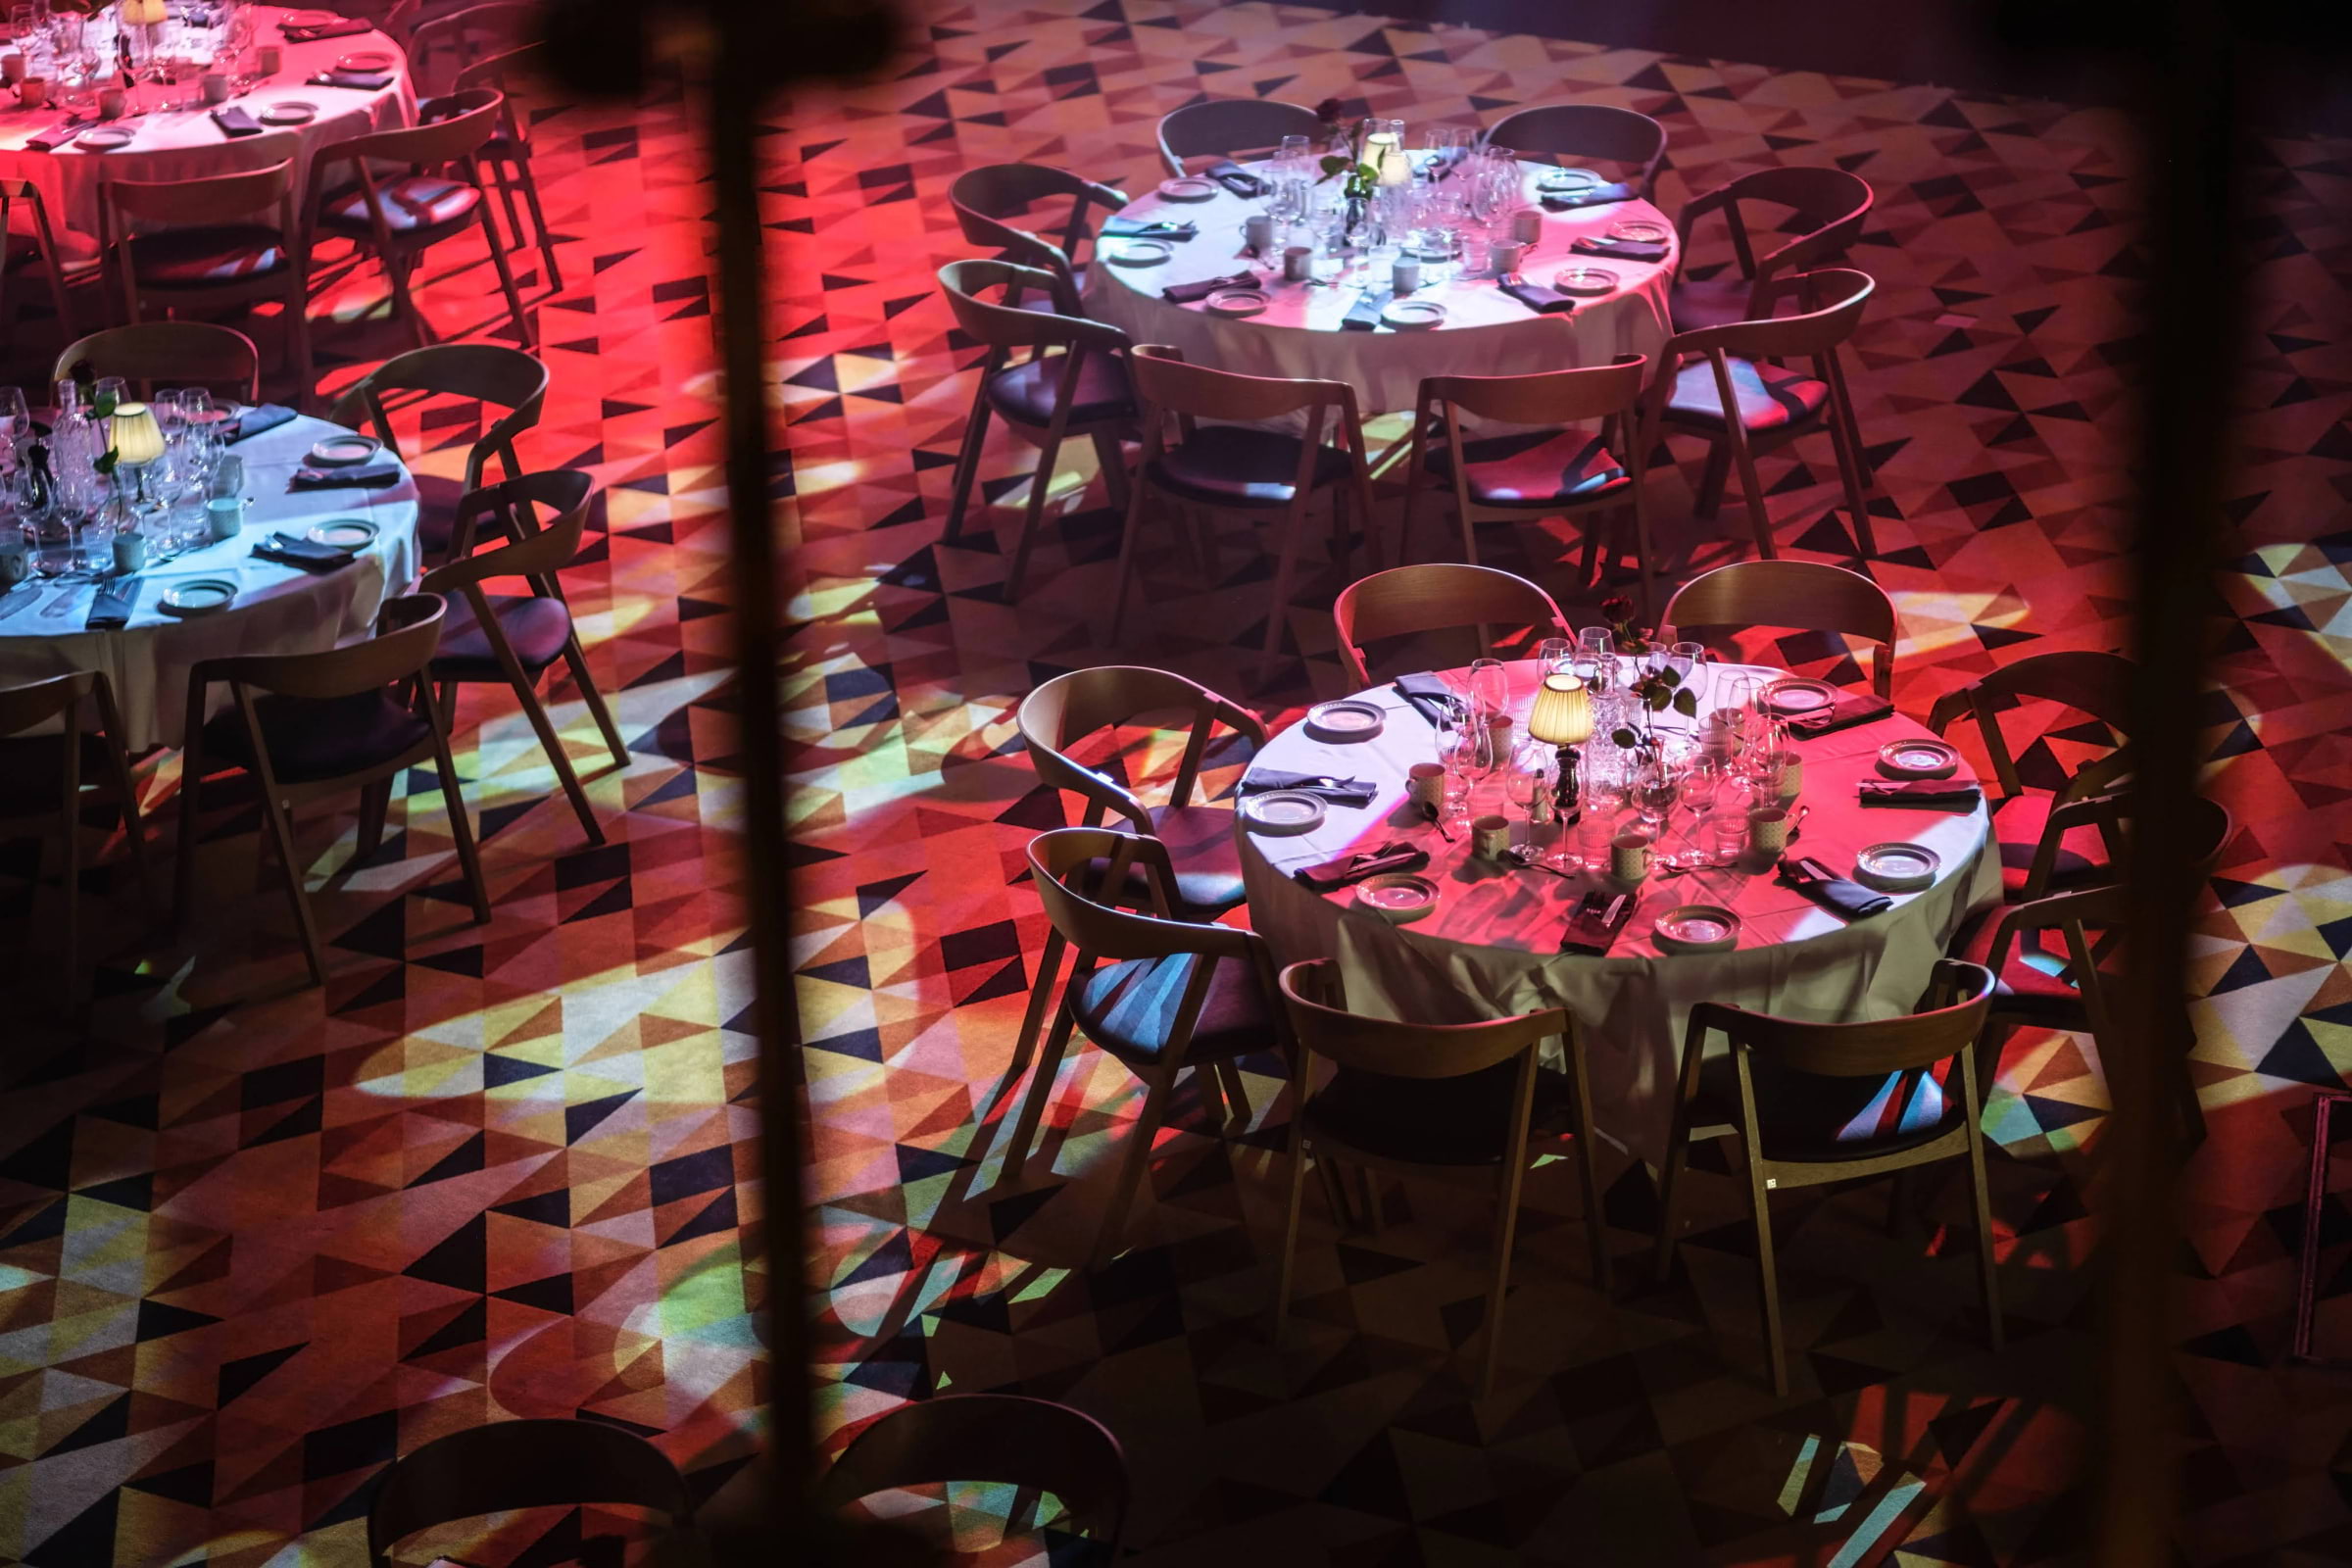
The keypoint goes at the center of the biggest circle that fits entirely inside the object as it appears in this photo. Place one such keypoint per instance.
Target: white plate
(1641, 232)
(1235, 302)
(1696, 928)
(288, 112)
(1345, 721)
(1282, 812)
(1413, 315)
(309, 19)
(343, 533)
(342, 451)
(1918, 758)
(1795, 696)
(1189, 188)
(1567, 181)
(105, 138)
(201, 596)
(1397, 896)
(365, 60)
(1139, 251)
(1897, 867)
(1583, 280)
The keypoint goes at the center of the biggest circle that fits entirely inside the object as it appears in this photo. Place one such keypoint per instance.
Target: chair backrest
(1834, 298)
(1002, 1438)
(510, 507)
(205, 200)
(408, 631)
(441, 49)
(520, 1464)
(1083, 702)
(1801, 594)
(1225, 128)
(1060, 856)
(501, 70)
(36, 702)
(1406, 600)
(487, 372)
(459, 122)
(156, 353)
(1831, 206)
(536, 553)
(2090, 682)
(1585, 130)
(1322, 1026)
(1164, 380)
(1002, 327)
(1543, 397)
(1944, 1024)
(984, 198)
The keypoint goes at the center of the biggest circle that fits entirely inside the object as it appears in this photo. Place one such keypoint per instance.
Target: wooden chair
(402, 217)
(1245, 469)
(1083, 390)
(202, 260)
(30, 242)
(507, 155)
(1772, 405)
(1828, 207)
(1585, 131)
(322, 724)
(506, 1465)
(514, 638)
(155, 353)
(441, 46)
(500, 378)
(1228, 127)
(986, 197)
(1033, 1445)
(1176, 994)
(1406, 601)
(1799, 595)
(42, 775)
(1817, 1102)
(2049, 841)
(1457, 1103)
(1554, 470)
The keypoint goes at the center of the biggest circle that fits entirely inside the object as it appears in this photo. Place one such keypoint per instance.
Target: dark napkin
(1593, 196)
(1850, 900)
(356, 80)
(253, 421)
(1926, 793)
(1541, 298)
(1623, 250)
(111, 609)
(1364, 315)
(1338, 791)
(308, 553)
(1236, 179)
(1332, 875)
(371, 477)
(1849, 709)
(56, 136)
(1432, 696)
(313, 31)
(1186, 293)
(1595, 923)
(1138, 229)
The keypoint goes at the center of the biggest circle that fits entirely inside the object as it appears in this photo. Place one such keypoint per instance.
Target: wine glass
(1490, 687)
(1466, 753)
(1555, 656)
(1534, 776)
(1597, 658)
(1656, 786)
(1702, 787)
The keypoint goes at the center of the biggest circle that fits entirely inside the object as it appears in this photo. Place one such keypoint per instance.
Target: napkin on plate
(1926, 793)
(111, 609)
(313, 31)
(1595, 923)
(1142, 228)
(1236, 179)
(371, 476)
(1623, 250)
(1849, 709)
(1338, 791)
(1431, 695)
(1541, 298)
(1851, 901)
(1333, 875)
(1186, 293)
(253, 421)
(1592, 196)
(308, 553)
(356, 80)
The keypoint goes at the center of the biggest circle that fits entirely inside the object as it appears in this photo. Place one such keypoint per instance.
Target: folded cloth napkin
(1848, 900)
(356, 80)
(1338, 791)
(1926, 793)
(1364, 315)
(111, 609)
(1236, 179)
(56, 136)
(1624, 250)
(253, 421)
(371, 476)
(1333, 875)
(308, 553)
(1541, 298)
(313, 31)
(1432, 696)
(1590, 196)
(1849, 709)
(1595, 923)
(1186, 293)
(1142, 228)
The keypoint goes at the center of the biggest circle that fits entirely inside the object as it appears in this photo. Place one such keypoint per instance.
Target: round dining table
(1299, 335)
(278, 609)
(1491, 947)
(170, 144)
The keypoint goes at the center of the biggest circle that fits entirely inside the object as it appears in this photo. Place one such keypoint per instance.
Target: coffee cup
(223, 516)
(1425, 783)
(1527, 225)
(215, 85)
(131, 552)
(1257, 233)
(1793, 774)
(1404, 276)
(33, 91)
(15, 564)
(112, 102)
(1768, 832)
(1490, 836)
(1297, 264)
(1505, 256)
(269, 60)
(1629, 856)
(12, 66)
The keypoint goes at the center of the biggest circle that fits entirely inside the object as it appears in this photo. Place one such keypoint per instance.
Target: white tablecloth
(1487, 332)
(278, 609)
(1491, 947)
(185, 144)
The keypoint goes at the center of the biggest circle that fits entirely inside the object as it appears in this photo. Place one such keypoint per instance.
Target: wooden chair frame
(536, 555)
(400, 653)
(152, 354)
(487, 373)
(1845, 197)
(467, 36)
(984, 198)
(1034, 1446)
(1817, 334)
(50, 258)
(1435, 596)
(1166, 385)
(1586, 130)
(61, 698)
(1101, 697)
(1801, 594)
(503, 1465)
(508, 154)
(1948, 1025)
(1322, 1027)
(1221, 127)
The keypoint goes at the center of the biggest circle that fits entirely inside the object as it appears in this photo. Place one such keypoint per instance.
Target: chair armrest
(1110, 196)
(1235, 717)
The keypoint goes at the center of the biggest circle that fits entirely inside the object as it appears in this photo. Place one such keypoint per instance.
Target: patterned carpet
(256, 1240)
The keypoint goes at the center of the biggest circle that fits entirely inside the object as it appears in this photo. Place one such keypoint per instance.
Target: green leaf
(1624, 739)
(1670, 677)
(1686, 703)
(105, 462)
(103, 406)
(1332, 164)
(1656, 701)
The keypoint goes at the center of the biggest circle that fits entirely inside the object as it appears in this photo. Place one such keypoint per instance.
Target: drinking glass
(1296, 156)
(1657, 785)
(1490, 687)
(1684, 657)
(112, 390)
(1597, 658)
(1555, 656)
(1603, 806)
(16, 422)
(1464, 750)
(1533, 773)
(1702, 786)
(228, 475)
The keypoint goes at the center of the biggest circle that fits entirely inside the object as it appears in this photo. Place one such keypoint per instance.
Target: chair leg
(1041, 1090)
(1506, 1234)
(375, 803)
(461, 826)
(1758, 523)
(134, 830)
(547, 238)
(70, 888)
(1709, 499)
(1290, 1226)
(553, 744)
(298, 343)
(1128, 537)
(1767, 1277)
(1588, 1160)
(967, 469)
(578, 662)
(1980, 1192)
(281, 834)
(1849, 469)
(1340, 521)
(1031, 517)
(1237, 1095)
(1033, 1022)
(1404, 523)
(1278, 607)
(403, 304)
(506, 278)
(1670, 1176)
(1138, 1160)
(183, 861)
(1112, 461)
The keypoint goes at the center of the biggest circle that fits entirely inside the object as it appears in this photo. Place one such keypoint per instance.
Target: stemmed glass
(1554, 656)
(1597, 658)
(1702, 790)
(1466, 750)
(1490, 687)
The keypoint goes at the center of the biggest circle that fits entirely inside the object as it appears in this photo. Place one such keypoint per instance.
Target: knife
(12, 603)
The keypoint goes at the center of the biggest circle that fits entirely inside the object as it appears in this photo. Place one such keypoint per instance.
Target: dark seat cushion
(1432, 1122)
(1025, 393)
(411, 204)
(209, 256)
(1534, 469)
(1209, 863)
(2026, 985)
(2082, 860)
(1240, 466)
(73, 249)
(1807, 1117)
(1771, 397)
(32, 768)
(1129, 1009)
(1717, 301)
(313, 739)
(536, 629)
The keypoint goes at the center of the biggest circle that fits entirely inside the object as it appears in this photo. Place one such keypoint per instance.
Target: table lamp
(137, 440)
(1562, 716)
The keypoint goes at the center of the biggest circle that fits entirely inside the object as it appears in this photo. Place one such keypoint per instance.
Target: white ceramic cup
(1629, 856)
(224, 516)
(1505, 256)
(1404, 276)
(1768, 831)
(1490, 836)
(1297, 264)
(1527, 225)
(1258, 231)
(131, 552)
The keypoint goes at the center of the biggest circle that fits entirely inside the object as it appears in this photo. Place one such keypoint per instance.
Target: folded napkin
(253, 421)
(1333, 875)
(1141, 228)
(1338, 791)
(1595, 923)
(1926, 793)
(371, 477)
(56, 136)
(1236, 179)
(1541, 298)
(1849, 900)
(1849, 709)
(1432, 696)
(313, 31)
(1623, 250)
(356, 80)
(1187, 293)
(1364, 315)
(1592, 196)
(308, 553)
(111, 609)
